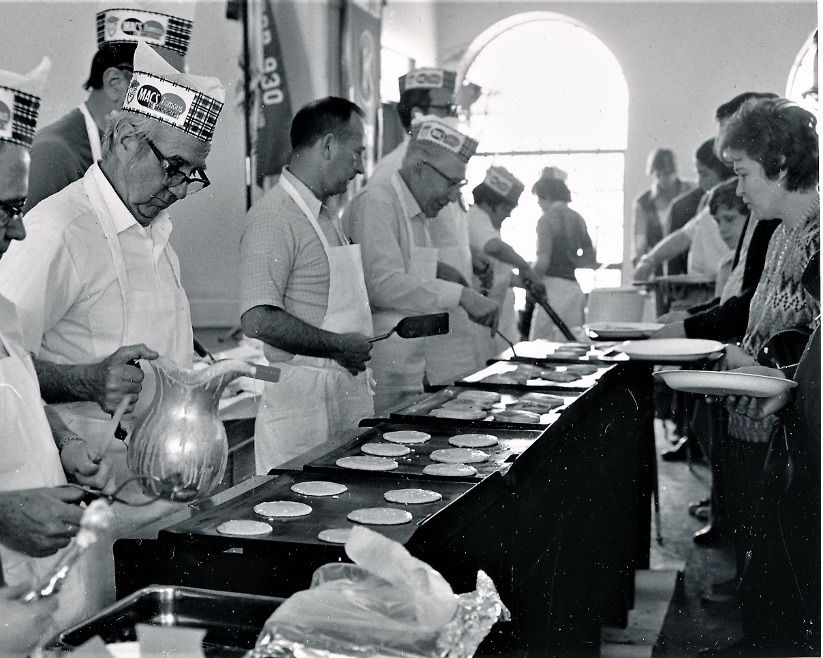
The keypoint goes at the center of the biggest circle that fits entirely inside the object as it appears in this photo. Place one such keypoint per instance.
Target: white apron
(317, 398)
(93, 134)
(568, 301)
(503, 295)
(456, 353)
(399, 364)
(30, 460)
(159, 318)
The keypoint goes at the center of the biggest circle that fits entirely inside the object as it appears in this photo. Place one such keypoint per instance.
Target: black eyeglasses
(450, 109)
(453, 182)
(195, 181)
(12, 210)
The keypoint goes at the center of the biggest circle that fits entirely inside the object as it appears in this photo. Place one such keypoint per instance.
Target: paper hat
(553, 173)
(125, 22)
(427, 79)
(20, 102)
(190, 103)
(438, 131)
(503, 182)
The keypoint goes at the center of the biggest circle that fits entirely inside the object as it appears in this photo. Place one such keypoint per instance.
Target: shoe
(676, 454)
(697, 504)
(707, 536)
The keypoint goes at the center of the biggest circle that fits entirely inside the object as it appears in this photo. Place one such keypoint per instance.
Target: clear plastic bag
(388, 603)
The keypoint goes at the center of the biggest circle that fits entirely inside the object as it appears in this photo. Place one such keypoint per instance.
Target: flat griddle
(540, 352)
(294, 536)
(502, 367)
(512, 443)
(418, 412)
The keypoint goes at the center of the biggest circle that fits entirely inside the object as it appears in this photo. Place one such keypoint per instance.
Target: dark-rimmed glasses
(453, 182)
(12, 210)
(195, 181)
(449, 108)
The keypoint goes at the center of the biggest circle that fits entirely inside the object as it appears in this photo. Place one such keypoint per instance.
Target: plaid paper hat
(428, 79)
(503, 182)
(20, 102)
(125, 22)
(553, 173)
(438, 131)
(190, 103)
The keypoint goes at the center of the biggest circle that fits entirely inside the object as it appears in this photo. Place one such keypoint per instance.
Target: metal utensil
(544, 304)
(511, 344)
(419, 326)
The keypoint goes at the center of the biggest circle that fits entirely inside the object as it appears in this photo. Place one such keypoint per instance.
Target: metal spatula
(419, 326)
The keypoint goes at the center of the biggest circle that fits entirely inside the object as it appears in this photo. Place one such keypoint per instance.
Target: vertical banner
(272, 97)
(360, 66)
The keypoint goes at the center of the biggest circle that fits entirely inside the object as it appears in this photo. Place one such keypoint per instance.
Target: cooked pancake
(479, 396)
(385, 449)
(412, 496)
(318, 488)
(243, 527)
(460, 414)
(335, 535)
(543, 398)
(282, 509)
(407, 436)
(450, 470)
(459, 456)
(473, 440)
(380, 516)
(365, 463)
(467, 404)
(507, 416)
(582, 369)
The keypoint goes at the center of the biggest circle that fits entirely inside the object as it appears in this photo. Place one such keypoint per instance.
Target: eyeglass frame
(453, 182)
(170, 170)
(12, 212)
(453, 109)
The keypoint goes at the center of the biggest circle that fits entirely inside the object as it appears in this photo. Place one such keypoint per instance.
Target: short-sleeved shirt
(481, 229)
(60, 155)
(707, 248)
(282, 261)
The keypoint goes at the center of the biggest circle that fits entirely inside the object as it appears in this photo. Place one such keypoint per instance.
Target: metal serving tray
(327, 512)
(232, 621)
(418, 412)
(535, 384)
(512, 443)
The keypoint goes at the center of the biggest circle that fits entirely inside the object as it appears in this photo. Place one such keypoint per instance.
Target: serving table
(555, 518)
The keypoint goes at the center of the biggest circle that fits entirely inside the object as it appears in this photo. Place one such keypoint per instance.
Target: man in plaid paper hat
(38, 517)
(389, 219)
(63, 151)
(494, 200)
(96, 282)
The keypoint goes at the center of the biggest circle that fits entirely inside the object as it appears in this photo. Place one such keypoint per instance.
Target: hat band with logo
(463, 146)
(18, 116)
(133, 25)
(184, 108)
(428, 79)
(504, 184)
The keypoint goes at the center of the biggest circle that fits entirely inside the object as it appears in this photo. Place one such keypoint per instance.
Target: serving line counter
(558, 516)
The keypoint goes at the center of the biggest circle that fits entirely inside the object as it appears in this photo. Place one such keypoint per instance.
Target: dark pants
(708, 424)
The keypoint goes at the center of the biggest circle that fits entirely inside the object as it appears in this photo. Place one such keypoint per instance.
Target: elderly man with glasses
(63, 151)
(96, 282)
(389, 219)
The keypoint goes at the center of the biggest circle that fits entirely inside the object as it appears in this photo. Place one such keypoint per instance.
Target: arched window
(553, 94)
(802, 85)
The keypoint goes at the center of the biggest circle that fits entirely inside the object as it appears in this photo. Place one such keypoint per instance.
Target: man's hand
(671, 330)
(39, 522)
(81, 467)
(481, 310)
(111, 379)
(352, 351)
(23, 624)
(758, 408)
(483, 269)
(644, 269)
(532, 282)
(449, 273)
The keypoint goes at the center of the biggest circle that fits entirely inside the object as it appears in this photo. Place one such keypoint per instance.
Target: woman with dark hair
(773, 146)
(563, 244)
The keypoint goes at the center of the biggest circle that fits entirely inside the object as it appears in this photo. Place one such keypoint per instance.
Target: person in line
(563, 245)
(303, 293)
(423, 93)
(38, 517)
(97, 284)
(63, 151)
(389, 220)
(494, 200)
(651, 207)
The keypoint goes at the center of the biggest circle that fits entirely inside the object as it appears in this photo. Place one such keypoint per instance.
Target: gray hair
(153, 130)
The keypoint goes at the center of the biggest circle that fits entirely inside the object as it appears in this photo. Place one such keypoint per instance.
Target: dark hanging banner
(360, 68)
(273, 147)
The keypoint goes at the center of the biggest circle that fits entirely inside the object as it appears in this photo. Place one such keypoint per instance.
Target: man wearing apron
(388, 219)
(302, 290)
(63, 151)
(494, 200)
(96, 283)
(37, 518)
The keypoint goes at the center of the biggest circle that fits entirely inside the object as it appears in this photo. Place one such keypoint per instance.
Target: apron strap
(301, 203)
(398, 190)
(93, 133)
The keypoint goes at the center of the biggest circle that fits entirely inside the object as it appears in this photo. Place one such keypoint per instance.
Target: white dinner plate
(621, 330)
(724, 382)
(684, 349)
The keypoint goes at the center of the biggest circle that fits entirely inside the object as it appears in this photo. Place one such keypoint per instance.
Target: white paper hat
(20, 103)
(428, 79)
(123, 21)
(190, 103)
(503, 182)
(553, 173)
(443, 132)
